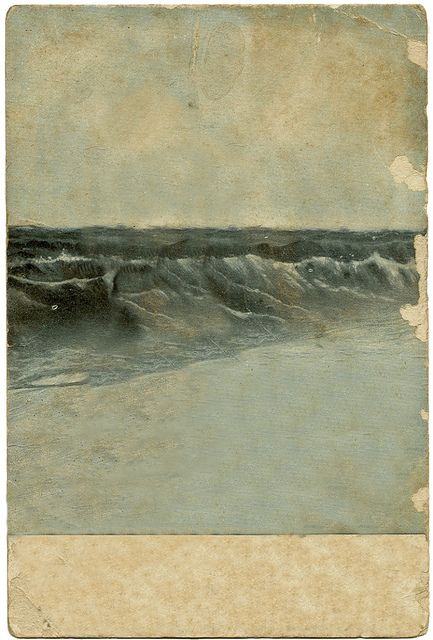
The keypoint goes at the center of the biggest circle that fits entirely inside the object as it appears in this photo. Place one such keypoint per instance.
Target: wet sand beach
(322, 435)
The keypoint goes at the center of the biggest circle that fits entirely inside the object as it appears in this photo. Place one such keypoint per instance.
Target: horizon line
(215, 228)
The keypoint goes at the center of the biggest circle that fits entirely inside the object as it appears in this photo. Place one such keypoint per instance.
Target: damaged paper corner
(417, 315)
(417, 53)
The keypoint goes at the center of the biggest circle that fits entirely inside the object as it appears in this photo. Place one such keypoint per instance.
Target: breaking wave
(167, 298)
(248, 284)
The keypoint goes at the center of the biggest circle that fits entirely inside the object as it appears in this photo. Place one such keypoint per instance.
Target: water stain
(223, 61)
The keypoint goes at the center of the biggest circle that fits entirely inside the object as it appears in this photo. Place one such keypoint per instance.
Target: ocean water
(122, 302)
(203, 381)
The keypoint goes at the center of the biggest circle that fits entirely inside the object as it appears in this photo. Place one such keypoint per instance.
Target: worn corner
(12, 10)
(421, 10)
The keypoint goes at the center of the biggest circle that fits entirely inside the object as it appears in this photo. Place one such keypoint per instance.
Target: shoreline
(255, 444)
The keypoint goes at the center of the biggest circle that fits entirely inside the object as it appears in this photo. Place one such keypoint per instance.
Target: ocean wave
(119, 303)
(167, 287)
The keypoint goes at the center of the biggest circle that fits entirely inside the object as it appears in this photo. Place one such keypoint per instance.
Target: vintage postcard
(217, 320)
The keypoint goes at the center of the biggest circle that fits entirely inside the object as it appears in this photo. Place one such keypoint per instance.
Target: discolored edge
(218, 586)
(417, 315)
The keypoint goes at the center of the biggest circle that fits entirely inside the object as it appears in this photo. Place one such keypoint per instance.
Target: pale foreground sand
(296, 438)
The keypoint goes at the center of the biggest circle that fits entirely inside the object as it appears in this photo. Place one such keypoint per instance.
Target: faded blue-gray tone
(205, 381)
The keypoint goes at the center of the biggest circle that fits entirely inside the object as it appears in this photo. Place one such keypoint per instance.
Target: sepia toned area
(213, 586)
(279, 116)
(217, 320)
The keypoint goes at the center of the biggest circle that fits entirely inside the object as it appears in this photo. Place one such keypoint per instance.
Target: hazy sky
(273, 116)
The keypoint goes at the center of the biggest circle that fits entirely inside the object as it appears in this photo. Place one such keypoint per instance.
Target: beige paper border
(220, 586)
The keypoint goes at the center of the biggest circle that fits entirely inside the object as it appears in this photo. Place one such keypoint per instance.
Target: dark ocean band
(280, 245)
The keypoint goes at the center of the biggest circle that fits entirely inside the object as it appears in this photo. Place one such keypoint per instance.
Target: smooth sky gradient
(219, 116)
